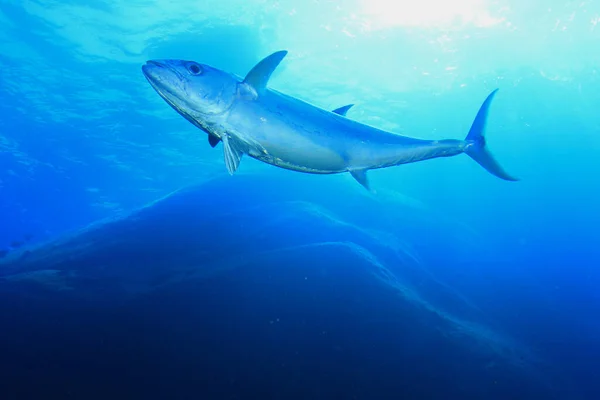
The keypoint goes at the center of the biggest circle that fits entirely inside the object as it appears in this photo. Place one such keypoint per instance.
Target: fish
(249, 118)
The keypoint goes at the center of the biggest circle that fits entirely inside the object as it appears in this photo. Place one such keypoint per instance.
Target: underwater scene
(299, 199)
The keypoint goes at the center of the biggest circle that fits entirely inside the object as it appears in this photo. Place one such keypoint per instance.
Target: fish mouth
(160, 76)
(152, 69)
(152, 63)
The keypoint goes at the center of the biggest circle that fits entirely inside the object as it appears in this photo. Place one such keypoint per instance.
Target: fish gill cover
(134, 265)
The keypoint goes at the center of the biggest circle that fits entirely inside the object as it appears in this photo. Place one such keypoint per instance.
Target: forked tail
(475, 143)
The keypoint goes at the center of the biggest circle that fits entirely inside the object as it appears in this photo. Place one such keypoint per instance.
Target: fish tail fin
(476, 146)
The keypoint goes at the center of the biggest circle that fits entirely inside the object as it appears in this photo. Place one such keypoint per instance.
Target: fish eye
(194, 69)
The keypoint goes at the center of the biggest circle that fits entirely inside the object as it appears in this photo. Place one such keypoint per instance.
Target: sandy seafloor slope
(233, 286)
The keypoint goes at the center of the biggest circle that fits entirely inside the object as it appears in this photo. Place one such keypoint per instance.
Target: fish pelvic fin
(213, 140)
(475, 143)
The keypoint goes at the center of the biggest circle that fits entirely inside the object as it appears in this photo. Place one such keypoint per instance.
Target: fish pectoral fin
(361, 176)
(233, 154)
(343, 110)
(213, 140)
(259, 76)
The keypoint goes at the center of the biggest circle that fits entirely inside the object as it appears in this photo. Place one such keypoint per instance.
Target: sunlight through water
(428, 13)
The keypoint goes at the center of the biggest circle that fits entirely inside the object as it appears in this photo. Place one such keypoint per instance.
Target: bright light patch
(427, 13)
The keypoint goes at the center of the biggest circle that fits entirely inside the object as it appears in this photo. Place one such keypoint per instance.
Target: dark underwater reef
(235, 289)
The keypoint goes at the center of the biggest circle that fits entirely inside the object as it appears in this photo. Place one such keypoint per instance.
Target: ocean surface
(133, 266)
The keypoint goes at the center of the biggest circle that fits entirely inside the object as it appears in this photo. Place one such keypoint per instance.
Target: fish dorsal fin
(343, 110)
(232, 153)
(258, 77)
(213, 140)
(361, 176)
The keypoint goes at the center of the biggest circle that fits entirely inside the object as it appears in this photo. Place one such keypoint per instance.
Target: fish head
(197, 91)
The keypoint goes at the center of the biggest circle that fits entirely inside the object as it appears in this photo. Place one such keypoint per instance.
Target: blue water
(133, 266)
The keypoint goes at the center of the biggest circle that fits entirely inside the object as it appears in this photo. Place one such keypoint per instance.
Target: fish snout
(155, 63)
(153, 69)
(156, 70)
